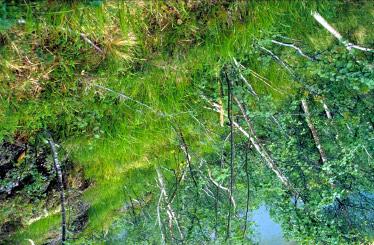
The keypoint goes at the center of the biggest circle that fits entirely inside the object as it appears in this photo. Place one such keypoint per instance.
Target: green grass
(118, 142)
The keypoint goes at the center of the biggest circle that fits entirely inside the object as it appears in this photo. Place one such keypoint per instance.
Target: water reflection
(267, 231)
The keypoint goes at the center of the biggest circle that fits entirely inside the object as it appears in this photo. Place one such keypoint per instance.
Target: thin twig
(327, 110)
(248, 192)
(232, 200)
(169, 209)
(292, 46)
(184, 148)
(159, 219)
(251, 90)
(87, 40)
(279, 60)
(262, 151)
(131, 99)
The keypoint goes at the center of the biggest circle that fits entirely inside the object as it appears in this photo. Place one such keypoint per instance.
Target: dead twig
(292, 46)
(169, 209)
(251, 90)
(218, 185)
(327, 110)
(129, 98)
(87, 40)
(279, 60)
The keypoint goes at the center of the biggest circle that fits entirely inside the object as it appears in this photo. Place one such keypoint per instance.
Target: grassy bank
(158, 55)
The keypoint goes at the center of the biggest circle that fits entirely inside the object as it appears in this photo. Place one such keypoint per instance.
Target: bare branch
(251, 90)
(316, 138)
(336, 34)
(169, 209)
(262, 151)
(184, 147)
(87, 40)
(159, 220)
(327, 110)
(222, 188)
(292, 46)
(279, 60)
(61, 187)
(232, 150)
(131, 99)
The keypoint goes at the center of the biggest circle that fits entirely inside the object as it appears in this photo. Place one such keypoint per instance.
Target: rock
(9, 153)
(80, 219)
(54, 238)
(9, 227)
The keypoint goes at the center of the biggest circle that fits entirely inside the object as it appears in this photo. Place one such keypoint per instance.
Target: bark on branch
(169, 210)
(327, 110)
(336, 34)
(61, 187)
(316, 138)
(87, 40)
(232, 200)
(292, 46)
(263, 152)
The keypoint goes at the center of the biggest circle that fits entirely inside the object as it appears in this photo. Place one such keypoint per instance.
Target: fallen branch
(30, 241)
(159, 220)
(232, 200)
(316, 138)
(232, 150)
(248, 191)
(327, 110)
(336, 34)
(61, 187)
(279, 60)
(294, 47)
(258, 76)
(87, 40)
(129, 98)
(44, 215)
(184, 147)
(251, 90)
(169, 209)
(262, 151)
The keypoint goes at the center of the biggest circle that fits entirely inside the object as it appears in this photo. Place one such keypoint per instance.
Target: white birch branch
(292, 46)
(336, 34)
(278, 59)
(222, 188)
(316, 138)
(169, 209)
(251, 90)
(263, 152)
(327, 110)
(61, 187)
